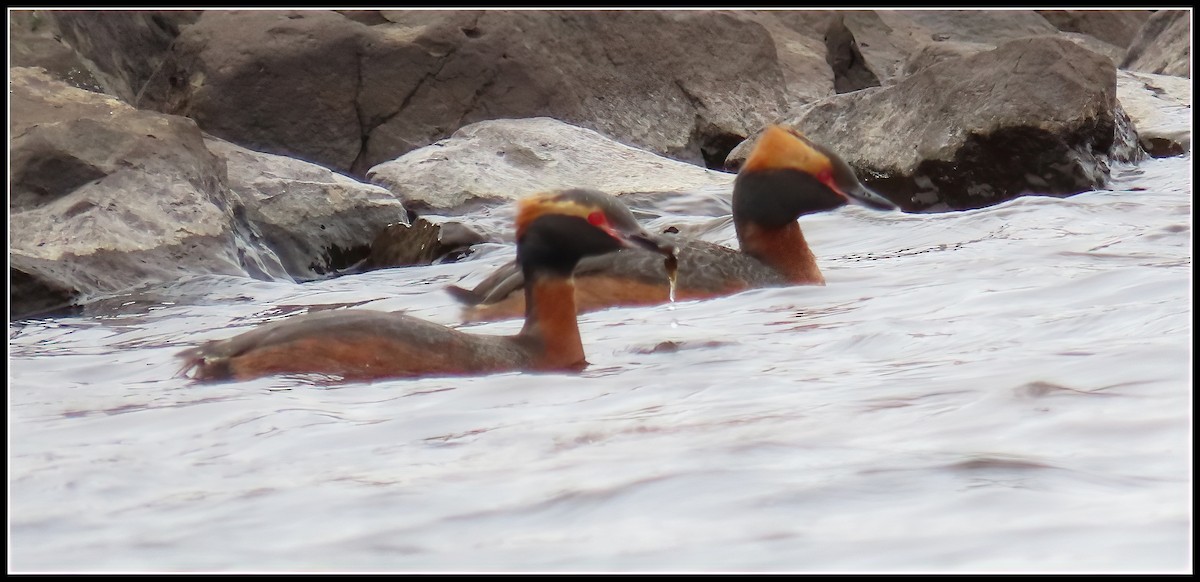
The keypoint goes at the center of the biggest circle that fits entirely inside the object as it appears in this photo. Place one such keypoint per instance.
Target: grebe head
(788, 175)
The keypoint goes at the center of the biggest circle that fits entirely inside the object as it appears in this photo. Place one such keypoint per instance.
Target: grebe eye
(597, 218)
(825, 175)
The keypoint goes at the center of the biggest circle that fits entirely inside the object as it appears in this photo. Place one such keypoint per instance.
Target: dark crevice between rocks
(477, 97)
(363, 132)
(850, 70)
(367, 17)
(715, 148)
(359, 167)
(1003, 165)
(30, 297)
(422, 243)
(1159, 147)
(340, 261)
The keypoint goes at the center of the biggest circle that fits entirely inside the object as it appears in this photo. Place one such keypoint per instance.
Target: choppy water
(1000, 390)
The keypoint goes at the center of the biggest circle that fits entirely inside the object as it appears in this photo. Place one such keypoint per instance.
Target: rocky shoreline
(300, 144)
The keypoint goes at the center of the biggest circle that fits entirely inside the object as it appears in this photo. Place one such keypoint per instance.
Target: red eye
(825, 176)
(597, 218)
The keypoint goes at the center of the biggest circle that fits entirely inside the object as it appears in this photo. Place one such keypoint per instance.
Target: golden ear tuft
(531, 207)
(780, 148)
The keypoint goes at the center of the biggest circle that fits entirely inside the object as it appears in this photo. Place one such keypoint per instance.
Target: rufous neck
(783, 249)
(551, 324)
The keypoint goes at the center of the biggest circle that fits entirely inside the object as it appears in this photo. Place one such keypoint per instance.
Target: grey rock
(1036, 115)
(106, 197)
(319, 86)
(122, 48)
(422, 243)
(1160, 107)
(317, 221)
(1116, 27)
(493, 162)
(1163, 45)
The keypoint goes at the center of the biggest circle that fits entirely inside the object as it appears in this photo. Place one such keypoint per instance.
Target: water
(1000, 390)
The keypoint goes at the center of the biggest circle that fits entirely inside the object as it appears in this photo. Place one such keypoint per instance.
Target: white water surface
(999, 390)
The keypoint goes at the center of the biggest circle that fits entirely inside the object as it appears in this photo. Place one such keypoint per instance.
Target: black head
(787, 176)
(557, 229)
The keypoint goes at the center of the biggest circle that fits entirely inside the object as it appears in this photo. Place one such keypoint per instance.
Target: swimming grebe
(785, 177)
(554, 231)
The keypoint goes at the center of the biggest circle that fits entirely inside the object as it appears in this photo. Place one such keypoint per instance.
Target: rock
(34, 40)
(1160, 107)
(799, 37)
(684, 84)
(935, 52)
(104, 197)
(493, 162)
(1116, 27)
(280, 82)
(1163, 45)
(888, 38)
(316, 221)
(122, 48)
(422, 243)
(31, 296)
(850, 70)
(1112, 51)
(979, 26)
(1036, 115)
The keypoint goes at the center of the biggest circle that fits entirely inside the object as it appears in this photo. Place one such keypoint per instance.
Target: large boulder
(34, 40)
(800, 47)
(905, 42)
(1116, 27)
(886, 39)
(122, 48)
(104, 197)
(1163, 45)
(281, 82)
(490, 163)
(329, 89)
(1036, 115)
(318, 222)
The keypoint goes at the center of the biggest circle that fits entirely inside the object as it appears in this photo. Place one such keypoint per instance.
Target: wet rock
(1036, 115)
(318, 222)
(31, 296)
(106, 197)
(422, 243)
(1160, 107)
(493, 162)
